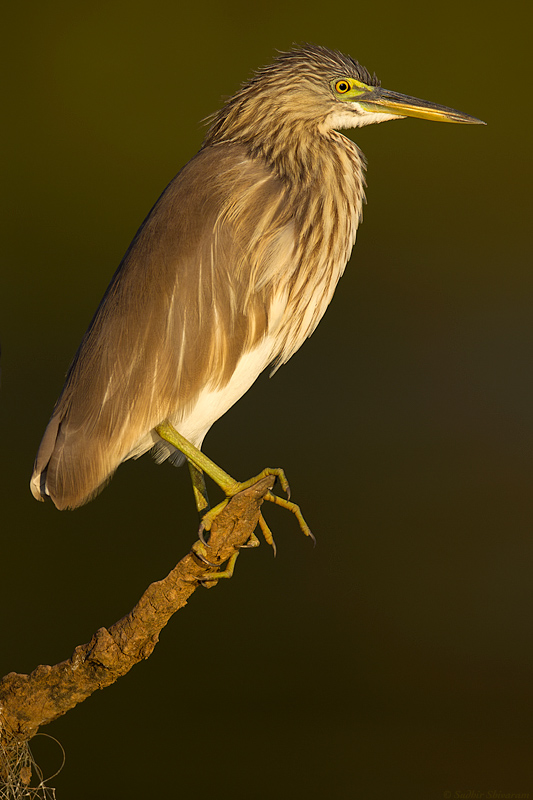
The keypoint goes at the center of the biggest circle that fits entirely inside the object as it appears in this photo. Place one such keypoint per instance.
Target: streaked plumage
(230, 272)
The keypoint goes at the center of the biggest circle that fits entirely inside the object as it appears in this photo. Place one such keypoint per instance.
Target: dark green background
(394, 659)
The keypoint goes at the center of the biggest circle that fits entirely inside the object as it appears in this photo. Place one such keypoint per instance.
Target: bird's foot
(233, 487)
(200, 550)
(202, 464)
(210, 579)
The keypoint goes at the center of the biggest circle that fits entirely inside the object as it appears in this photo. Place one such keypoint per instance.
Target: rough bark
(30, 701)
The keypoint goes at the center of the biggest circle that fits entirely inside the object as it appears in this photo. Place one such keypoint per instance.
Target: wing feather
(232, 269)
(190, 297)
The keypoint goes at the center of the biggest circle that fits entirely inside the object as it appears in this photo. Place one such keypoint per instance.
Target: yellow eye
(342, 87)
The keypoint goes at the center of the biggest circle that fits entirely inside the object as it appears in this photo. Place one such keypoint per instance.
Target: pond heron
(231, 271)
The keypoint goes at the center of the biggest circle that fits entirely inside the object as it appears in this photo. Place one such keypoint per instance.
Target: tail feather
(71, 466)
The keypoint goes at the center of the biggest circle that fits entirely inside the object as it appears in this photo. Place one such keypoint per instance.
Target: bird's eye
(342, 87)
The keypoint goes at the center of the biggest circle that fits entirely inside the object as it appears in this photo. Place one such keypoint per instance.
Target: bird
(229, 274)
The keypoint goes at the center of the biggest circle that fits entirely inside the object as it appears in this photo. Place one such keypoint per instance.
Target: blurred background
(394, 659)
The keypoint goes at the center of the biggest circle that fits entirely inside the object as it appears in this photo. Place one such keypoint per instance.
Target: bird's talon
(213, 577)
(201, 537)
(210, 516)
(284, 483)
(197, 550)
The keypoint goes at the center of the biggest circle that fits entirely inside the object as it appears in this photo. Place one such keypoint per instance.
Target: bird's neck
(296, 148)
(305, 156)
(322, 170)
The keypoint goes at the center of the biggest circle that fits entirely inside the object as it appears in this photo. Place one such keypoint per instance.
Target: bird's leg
(202, 504)
(199, 488)
(200, 463)
(201, 499)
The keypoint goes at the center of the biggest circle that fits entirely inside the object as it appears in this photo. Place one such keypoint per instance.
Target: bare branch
(29, 701)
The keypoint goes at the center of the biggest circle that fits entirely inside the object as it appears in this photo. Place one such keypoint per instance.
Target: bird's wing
(191, 296)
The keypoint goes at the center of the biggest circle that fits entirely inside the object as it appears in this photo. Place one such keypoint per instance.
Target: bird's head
(320, 89)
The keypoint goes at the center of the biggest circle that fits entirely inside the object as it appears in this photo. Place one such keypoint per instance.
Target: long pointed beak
(386, 102)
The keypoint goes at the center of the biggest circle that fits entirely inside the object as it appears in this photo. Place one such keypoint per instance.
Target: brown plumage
(230, 272)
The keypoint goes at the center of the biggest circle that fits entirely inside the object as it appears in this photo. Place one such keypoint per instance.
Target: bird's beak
(382, 101)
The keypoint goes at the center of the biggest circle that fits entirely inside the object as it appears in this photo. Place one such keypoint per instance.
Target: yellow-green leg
(199, 464)
(201, 499)
(199, 488)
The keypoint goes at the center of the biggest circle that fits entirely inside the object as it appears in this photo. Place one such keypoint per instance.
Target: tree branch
(29, 701)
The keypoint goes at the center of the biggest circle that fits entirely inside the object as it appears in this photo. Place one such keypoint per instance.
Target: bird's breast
(326, 213)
